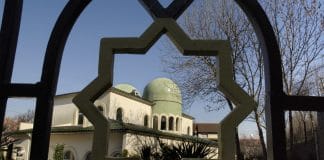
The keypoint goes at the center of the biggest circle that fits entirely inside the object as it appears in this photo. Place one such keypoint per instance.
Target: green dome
(127, 88)
(162, 89)
(166, 96)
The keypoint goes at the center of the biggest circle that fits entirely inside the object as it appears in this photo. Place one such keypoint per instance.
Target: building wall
(78, 143)
(81, 144)
(65, 112)
(25, 143)
(186, 123)
(133, 111)
(213, 136)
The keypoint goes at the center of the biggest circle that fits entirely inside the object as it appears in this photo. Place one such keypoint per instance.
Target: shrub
(175, 152)
(186, 150)
(58, 152)
(125, 153)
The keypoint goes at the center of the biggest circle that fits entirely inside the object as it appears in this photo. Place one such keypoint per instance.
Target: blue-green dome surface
(166, 96)
(162, 89)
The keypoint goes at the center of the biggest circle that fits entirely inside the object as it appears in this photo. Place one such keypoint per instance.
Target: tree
(26, 117)
(298, 25)
(251, 148)
(195, 75)
(58, 152)
(11, 124)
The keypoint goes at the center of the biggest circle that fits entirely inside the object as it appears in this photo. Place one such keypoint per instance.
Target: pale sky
(102, 18)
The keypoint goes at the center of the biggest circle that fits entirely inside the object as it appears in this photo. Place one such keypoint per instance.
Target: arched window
(80, 118)
(177, 124)
(188, 130)
(119, 114)
(68, 155)
(100, 109)
(163, 123)
(155, 122)
(171, 123)
(146, 120)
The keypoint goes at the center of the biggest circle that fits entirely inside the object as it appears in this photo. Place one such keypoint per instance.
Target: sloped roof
(188, 116)
(206, 127)
(114, 90)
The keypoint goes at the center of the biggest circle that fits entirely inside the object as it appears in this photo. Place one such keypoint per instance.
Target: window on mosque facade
(68, 155)
(188, 130)
(177, 124)
(80, 118)
(155, 122)
(171, 123)
(101, 110)
(163, 123)
(119, 115)
(146, 120)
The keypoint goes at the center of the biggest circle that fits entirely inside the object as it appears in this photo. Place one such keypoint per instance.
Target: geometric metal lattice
(140, 45)
(110, 46)
(44, 90)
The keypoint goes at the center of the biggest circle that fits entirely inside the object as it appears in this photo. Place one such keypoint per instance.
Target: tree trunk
(291, 131)
(305, 131)
(239, 153)
(263, 145)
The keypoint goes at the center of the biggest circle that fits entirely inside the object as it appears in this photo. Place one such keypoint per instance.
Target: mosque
(136, 119)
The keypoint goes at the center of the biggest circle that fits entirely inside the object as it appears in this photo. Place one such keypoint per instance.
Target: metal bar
(303, 103)
(174, 10)
(20, 90)
(49, 79)
(178, 7)
(275, 122)
(8, 44)
(154, 8)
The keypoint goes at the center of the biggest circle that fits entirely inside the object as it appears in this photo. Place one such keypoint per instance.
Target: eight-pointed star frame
(140, 45)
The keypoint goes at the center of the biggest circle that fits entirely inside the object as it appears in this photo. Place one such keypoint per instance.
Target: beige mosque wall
(185, 124)
(133, 111)
(65, 112)
(81, 144)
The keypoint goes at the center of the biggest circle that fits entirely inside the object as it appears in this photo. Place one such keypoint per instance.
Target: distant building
(206, 130)
(135, 119)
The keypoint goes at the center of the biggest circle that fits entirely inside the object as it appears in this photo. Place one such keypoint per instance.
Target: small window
(188, 130)
(163, 123)
(100, 109)
(146, 121)
(119, 115)
(68, 155)
(80, 118)
(177, 124)
(155, 122)
(171, 121)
